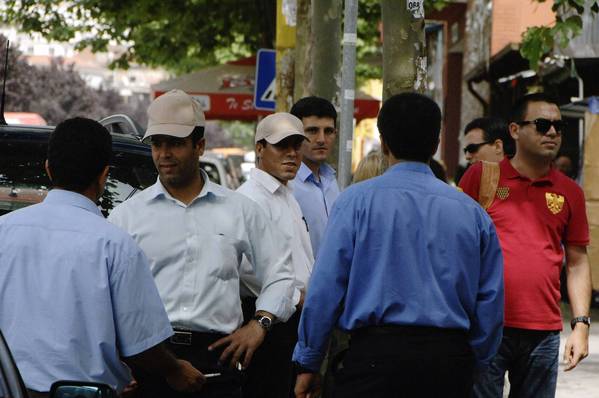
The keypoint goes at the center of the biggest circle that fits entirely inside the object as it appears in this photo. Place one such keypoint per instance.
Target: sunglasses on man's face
(544, 125)
(473, 148)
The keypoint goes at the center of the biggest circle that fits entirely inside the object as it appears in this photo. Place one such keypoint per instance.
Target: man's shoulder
(566, 184)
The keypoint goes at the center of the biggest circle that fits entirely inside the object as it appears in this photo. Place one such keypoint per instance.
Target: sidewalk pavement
(582, 381)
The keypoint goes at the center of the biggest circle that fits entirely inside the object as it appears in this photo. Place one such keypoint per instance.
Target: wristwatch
(583, 319)
(264, 321)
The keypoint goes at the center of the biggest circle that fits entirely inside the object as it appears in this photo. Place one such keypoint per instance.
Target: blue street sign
(264, 91)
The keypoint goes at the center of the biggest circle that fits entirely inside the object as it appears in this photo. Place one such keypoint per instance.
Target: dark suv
(23, 180)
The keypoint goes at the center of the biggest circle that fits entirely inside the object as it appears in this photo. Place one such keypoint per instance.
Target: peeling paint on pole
(404, 55)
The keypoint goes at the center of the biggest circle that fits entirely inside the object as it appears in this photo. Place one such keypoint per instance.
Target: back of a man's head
(78, 151)
(313, 106)
(410, 124)
(493, 129)
(520, 108)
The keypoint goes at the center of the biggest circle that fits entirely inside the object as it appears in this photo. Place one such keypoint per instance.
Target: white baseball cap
(174, 113)
(278, 126)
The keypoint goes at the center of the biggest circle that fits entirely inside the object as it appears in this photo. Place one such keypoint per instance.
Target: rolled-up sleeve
(270, 257)
(487, 325)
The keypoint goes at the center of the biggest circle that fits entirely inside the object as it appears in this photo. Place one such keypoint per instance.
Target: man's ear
(47, 167)
(498, 146)
(201, 146)
(514, 130)
(259, 148)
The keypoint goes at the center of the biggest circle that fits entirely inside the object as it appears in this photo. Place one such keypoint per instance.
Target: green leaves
(538, 41)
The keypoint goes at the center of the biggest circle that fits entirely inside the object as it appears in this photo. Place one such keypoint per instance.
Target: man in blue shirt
(315, 185)
(411, 268)
(76, 293)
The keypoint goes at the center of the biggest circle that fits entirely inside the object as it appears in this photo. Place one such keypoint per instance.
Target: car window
(129, 173)
(23, 180)
(212, 172)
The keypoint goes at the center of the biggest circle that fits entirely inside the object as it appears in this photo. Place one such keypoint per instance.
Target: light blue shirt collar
(326, 171)
(70, 198)
(417, 167)
(158, 190)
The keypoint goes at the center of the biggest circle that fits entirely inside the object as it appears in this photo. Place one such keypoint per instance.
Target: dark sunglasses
(473, 148)
(544, 125)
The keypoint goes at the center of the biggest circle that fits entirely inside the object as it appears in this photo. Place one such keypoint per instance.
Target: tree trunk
(404, 55)
(303, 45)
(326, 49)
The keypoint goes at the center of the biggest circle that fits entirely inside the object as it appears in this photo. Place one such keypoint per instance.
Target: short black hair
(78, 151)
(197, 134)
(521, 106)
(410, 124)
(493, 128)
(313, 106)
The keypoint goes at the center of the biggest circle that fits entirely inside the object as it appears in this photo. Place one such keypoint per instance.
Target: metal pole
(348, 83)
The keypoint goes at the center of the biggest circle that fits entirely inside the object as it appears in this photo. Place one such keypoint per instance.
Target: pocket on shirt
(223, 256)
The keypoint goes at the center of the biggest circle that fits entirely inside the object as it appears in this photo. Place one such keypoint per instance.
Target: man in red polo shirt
(539, 215)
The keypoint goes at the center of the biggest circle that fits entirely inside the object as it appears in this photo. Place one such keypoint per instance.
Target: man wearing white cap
(279, 138)
(195, 234)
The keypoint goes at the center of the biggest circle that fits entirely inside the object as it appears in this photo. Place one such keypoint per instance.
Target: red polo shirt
(534, 219)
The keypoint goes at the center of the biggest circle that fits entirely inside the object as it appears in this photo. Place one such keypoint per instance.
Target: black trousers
(270, 374)
(228, 385)
(391, 361)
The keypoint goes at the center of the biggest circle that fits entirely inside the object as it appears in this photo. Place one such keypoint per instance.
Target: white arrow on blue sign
(264, 91)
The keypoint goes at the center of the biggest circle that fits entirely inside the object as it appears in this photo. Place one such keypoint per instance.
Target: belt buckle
(181, 337)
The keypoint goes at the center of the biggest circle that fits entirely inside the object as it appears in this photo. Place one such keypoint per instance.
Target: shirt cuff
(307, 357)
(282, 309)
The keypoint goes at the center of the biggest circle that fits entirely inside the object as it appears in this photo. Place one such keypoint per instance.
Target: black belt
(190, 338)
(406, 330)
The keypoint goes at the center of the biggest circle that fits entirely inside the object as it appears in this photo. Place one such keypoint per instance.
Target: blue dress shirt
(316, 199)
(405, 249)
(76, 294)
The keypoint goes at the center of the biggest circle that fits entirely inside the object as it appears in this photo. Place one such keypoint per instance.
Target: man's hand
(300, 303)
(307, 385)
(243, 342)
(577, 346)
(185, 377)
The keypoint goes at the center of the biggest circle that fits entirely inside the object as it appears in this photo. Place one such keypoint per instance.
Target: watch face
(266, 322)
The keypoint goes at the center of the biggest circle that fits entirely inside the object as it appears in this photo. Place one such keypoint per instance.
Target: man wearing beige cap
(195, 234)
(279, 138)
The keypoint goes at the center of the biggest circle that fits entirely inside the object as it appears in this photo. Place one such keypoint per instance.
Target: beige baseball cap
(174, 113)
(278, 126)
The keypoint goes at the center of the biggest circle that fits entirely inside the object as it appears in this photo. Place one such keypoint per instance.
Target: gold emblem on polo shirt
(555, 202)
(503, 192)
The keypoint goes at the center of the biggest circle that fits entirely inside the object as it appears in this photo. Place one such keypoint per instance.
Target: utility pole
(348, 84)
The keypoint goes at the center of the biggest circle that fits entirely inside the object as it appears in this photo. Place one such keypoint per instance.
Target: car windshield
(23, 180)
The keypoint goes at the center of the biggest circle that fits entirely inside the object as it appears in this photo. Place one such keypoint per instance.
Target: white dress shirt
(195, 254)
(283, 210)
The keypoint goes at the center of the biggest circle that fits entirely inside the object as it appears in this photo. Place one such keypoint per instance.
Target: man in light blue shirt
(315, 185)
(411, 267)
(76, 293)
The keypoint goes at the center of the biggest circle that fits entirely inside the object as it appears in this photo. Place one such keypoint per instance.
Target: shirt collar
(510, 172)
(70, 198)
(266, 180)
(326, 171)
(417, 167)
(158, 190)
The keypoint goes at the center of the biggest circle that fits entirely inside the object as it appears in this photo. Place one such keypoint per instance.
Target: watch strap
(580, 319)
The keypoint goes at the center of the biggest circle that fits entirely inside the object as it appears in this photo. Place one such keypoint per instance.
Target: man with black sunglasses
(540, 215)
(488, 139)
